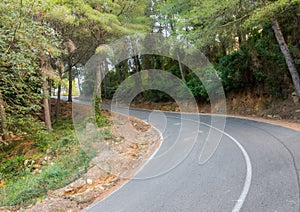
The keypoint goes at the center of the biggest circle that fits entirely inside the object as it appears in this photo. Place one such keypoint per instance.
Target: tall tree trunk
(46, 93)
(60, 72)
(138, 69)
(99, 78)
(57, 111)
(5, 135)
(50, 86)
(71, 48)
(97, 95)
(287, 55)
(79, 85)
(46, 106)
(180, 67)
(70, 78)
(106, 78)
(49, 83)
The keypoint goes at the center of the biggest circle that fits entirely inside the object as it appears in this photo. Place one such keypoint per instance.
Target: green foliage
(268, 10)
(196, 87)
(156, 96)
(234, 70)
(100, 120)
(29, 187)
(110, 84)
(34, 130)
(257, 62)
(237, 37)
(24, 43)
(106, 134)
(13, 168)
(22, 186)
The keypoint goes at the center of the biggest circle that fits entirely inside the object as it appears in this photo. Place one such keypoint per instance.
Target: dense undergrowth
(35, 162)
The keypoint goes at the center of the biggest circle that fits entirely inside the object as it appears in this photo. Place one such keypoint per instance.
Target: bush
(235, 70)
(196, 87)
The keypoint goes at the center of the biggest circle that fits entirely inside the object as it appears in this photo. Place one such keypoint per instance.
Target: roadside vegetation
(35, 161)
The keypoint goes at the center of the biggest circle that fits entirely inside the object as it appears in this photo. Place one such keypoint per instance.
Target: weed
(106, 134)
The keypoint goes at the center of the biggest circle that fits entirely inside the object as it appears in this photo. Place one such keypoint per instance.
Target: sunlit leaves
(269, 11)
(24, 40)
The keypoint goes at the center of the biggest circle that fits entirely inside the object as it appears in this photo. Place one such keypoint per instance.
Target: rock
(69, 191)
(36, 166)
(89, 181)
(48, 151)
(99, 187)
(37, 171)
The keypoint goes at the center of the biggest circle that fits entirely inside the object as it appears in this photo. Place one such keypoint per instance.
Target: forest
(254, 46)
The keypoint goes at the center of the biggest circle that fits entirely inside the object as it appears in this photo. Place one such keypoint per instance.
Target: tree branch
(237, 20)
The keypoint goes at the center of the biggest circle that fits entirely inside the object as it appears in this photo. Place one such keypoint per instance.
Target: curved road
(255, 168)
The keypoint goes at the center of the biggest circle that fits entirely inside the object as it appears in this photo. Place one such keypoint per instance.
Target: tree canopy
(43, 42)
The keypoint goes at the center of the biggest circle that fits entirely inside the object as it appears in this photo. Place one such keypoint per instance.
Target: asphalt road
(255, 168)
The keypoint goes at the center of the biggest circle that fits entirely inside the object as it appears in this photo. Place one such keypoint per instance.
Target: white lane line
(248, 179)
(247, 184)
(237, 207)
(161, 138)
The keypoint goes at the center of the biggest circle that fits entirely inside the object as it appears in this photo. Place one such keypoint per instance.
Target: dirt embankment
(245, 104)
(117, 158)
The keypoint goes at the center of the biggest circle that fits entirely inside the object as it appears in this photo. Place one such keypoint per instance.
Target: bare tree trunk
(97, 95)
(180, 67)
(46, 93)
(46, 107)
(79, 85)
(99, 78)
(105, 79)
(138, 69)
(287, 55)
(70, 78)
(49, 83)
(5, 135)
(71, 48)
(60, 72)
(57, 111)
